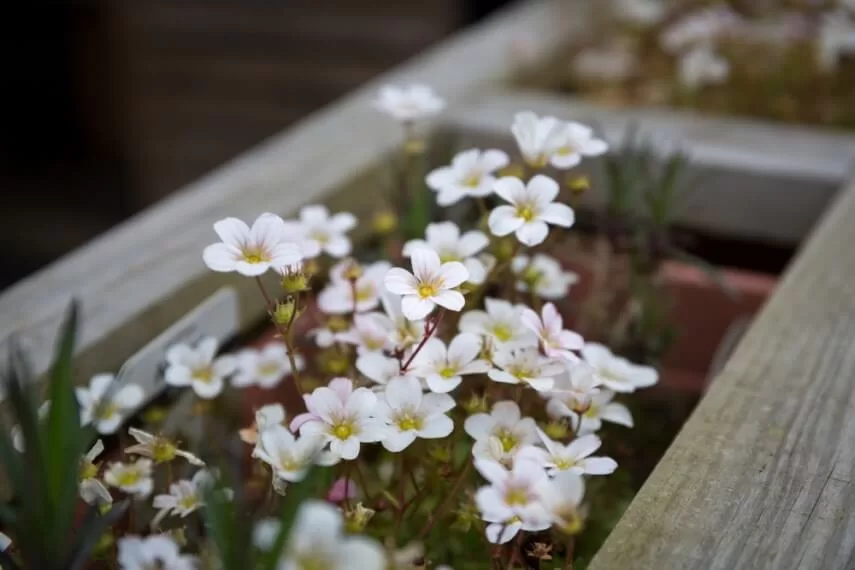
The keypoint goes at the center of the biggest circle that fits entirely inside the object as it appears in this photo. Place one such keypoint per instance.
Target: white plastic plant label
(215, 317)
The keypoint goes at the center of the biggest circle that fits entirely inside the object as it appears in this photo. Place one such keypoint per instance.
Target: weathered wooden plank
(138, 278)
(759, 180)
(761, 475)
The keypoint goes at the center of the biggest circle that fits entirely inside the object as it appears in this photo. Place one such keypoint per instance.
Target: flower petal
(599, 465)
(464, 348)
(221, 257)
(451, 300)
(232, 231)
(426, 264)
(452, 274)
(558, 214)
(504, 220)
(416, 309)
(403, 392)
(542, 188)
(532, 233)
(510, 189)
(400, 281)
(436, 427)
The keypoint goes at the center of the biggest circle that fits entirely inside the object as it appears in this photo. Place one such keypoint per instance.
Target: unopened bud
(569, 521)
(104, 545)
(505, 248)
(356, 518)
(311, 267)
(178, 535)
(476, 404)
(285, 311)
(440, 453)
(384, 222)
(414, 146)
(333, 362)
(515, 170)
(295, 280)
(578, 184)
(337, 323)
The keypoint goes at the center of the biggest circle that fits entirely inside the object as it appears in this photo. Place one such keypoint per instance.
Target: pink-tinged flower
(549, 328)
(443, 368)
(337, 297)
(526, 366)
(512, 501)
(573, 391)
(343, 489)
(469, 175)
(431, 283)
(531, 208)
(317, 231)
(574, 457)
(615, 372)
(445, 239)
(409, 103)
(409, 414)
(251, 251)
(370, 333)
(289, 458)
(342, 417)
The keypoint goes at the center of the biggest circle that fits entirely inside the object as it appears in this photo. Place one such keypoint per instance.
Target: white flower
(502, 322)
(406, 332)
(617, 373)
(266, 417)
(526, 366)
(445, 239)
(251, 252)
(644, 13)
(561, 497)
(158, 551)
(265, 367)
(512, 500)
(470, 175)
(544, 275)
(265, 532)
(93, 491)
(378, 368)
(132, 478)
(601, 409)
(702, 66)
(17, 433)
(198, 368)
(573, 391)
(701, 27)
(537, 137)
(337, 297)
(324, 336)
(549, 328)
(106, 408)
(531, 209)
(409, 414)
(158, 448)
(289, 457)
(184, 497)
(317, 231)
(503, 423)
(576, 141)
(342, 416)
(370, 333)
(431, 283)
(409, 103)
(574, 457)
(836, 38)
(5, 541)
(443, 368)
(317, 540)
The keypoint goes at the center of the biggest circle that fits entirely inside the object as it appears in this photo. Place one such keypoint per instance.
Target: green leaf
(90, 532)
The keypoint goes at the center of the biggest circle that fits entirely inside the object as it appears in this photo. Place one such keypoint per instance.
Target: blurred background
(111, 105)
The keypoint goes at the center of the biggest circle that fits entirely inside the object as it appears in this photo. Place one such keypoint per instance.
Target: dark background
(110, 105)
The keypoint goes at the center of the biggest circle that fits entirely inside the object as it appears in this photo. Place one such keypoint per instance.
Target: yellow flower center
(448, 372)
(255, 256)
(472, 180)
(531, 275)
(106, 410)
(502, 332)
(525, 212)
(290, 464)
(188, 503)
(427, 290)
(128, 478)
(591, 412)
(365, 292)
(564, 464)
(446, 256)
(538, 161)
(508, 440)
(520, 371)
(408, 422)
(374, 343)
(565, 150)
(343, 430)
(320, 236)
(162, 450)
(312, 564)
(88, 470)
(204, 374)
(514, 496)
(268, 369)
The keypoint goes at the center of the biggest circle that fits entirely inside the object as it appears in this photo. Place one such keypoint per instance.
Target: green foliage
(43, 479)
(230, 527)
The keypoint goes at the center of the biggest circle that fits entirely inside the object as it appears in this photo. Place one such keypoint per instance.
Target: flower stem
(440, 510)
(285, 332)
(428, 333)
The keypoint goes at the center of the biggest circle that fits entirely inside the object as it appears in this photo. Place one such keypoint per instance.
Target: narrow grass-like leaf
(91, 530)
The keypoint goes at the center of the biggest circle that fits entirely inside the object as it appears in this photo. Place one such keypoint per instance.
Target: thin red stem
(421, 345)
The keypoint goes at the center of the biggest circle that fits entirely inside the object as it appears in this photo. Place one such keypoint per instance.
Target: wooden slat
(758, 181)
(761, 475)
(138, 278)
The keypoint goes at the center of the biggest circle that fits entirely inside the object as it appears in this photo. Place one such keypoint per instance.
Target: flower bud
(384, 222)
(294, 280)
(357, 517)
(440, 453)
(515, 170)
(352, 271)
(414, 146)
(578, 184)
(557, 430)
(476, 404)
(337, 323)
(569, 521)
(105, 544)
(284, 313)
(505, 248)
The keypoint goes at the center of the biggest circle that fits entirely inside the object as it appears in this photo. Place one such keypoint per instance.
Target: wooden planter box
(761, 474)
